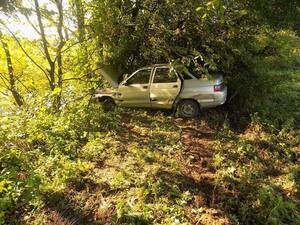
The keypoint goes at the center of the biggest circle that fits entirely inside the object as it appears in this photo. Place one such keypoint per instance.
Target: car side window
(140, 77)
(165, 75)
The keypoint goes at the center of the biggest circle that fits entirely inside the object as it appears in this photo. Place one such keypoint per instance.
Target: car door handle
(145, 87)
(175, 86)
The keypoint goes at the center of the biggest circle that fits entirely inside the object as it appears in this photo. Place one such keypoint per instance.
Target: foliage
(8, 5)
(135, 164)
(76, 164)
(233, 38)
(257, 172)
(38, 154)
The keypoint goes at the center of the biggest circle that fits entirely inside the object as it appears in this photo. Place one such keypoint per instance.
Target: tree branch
(81, 78)
(4, 79)
(4, 93)
(71, 46)
(42, 32)
(32, 25)
(24, 51)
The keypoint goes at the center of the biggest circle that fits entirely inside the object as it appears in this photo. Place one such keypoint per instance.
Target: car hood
(110, 74)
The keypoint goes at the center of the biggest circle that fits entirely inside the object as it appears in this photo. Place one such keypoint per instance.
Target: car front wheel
(188, 109)
(108, 104)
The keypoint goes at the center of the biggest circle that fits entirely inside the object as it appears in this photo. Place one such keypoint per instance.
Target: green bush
(39, 153)
(256, 173)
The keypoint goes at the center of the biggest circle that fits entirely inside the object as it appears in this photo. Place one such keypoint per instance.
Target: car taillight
(219, 87)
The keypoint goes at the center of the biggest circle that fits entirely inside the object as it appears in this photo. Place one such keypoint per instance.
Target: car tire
(108, 105)
(188, 109)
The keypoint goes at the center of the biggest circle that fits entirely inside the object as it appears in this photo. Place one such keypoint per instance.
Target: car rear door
(165, 87)
(135, 91)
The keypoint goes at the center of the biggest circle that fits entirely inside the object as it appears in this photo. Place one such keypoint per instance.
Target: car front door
(165, 87)
(135, 91)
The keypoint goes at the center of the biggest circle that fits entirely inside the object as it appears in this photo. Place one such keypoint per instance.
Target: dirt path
(198, 150)
(198, 163)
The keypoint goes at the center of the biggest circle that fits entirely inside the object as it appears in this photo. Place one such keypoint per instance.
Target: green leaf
(199, 9)
(204, 16)
(243, 12)
(56, 91)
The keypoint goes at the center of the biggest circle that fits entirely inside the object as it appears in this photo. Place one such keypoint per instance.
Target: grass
(156, 169)
(137, 175)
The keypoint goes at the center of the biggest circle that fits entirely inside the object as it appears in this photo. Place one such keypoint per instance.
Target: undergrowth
(258, 172)
(88, 167)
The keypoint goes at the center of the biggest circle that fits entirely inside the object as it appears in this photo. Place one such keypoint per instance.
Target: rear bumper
(219, 98)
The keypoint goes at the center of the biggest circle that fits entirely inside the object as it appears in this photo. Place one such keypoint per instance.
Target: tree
(80, 19)
(11, 86)
(52, 51)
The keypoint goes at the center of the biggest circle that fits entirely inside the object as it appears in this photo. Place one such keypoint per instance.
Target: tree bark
(12, 80)
(51, 63)
(59, 51)
(80, 20)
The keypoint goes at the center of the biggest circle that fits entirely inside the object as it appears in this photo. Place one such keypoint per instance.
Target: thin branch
(54, 22)
(234, 95)
(81, 78)
(60, 33)
(75, 78)
(21, 82)
(72, 45)
(2, 75)
(4, 79)
(24, 51)
(5, 94)
(42, 31)
(32, 25)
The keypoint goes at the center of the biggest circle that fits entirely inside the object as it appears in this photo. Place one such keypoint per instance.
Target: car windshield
(140, 77)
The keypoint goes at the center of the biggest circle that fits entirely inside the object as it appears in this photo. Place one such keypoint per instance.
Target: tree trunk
(59, 51)
(80, 20)
(51, 63)
(12, 80)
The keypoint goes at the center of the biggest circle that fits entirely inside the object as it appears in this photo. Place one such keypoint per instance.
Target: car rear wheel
(108, 104)
(188, 109)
